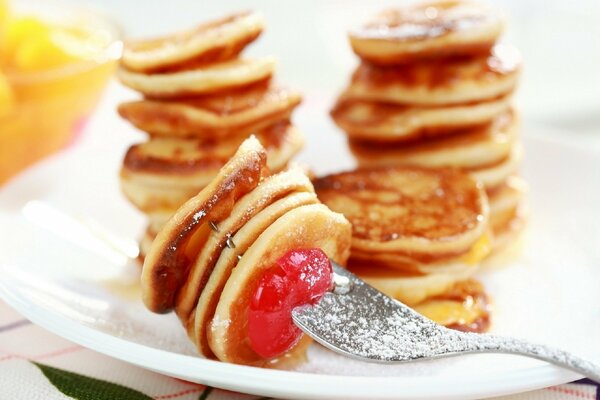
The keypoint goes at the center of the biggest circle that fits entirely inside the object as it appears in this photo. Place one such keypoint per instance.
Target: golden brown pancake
(451, 299)
(217, 40)
(176, 246)
(465, 307)
(166, 172)
(207, 79)
(408, 218)
(410, 288)
(427, 30)
(271, 189)
(309, 226)
(228, 259)
(145, 243)
(507, 210)
(393, 123)
(493, 176)
(440, 81)
(238, 112)
(476, 147)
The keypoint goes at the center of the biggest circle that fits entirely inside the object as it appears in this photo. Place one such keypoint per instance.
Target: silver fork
(358, 321)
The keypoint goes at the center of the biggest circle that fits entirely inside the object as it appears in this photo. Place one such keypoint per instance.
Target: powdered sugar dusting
(367, 324)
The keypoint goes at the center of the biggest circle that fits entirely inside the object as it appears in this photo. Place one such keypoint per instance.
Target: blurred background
(559, 41)
(559, 93)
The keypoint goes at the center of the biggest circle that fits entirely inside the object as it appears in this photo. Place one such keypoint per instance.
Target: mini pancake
(440, 81)
(208, 79)
(309, 226)
(410, 288)
(214, 41)
(429, 29)
(465, 307)
(158, 218)
(409, 218)
(239, 112)
(269, 190)
(176, 246)
(452, 299)
(392, 123)
(228, 259)
(493, 176)
(470, 148)
(146, 243)
(507, 210)
(166, 172)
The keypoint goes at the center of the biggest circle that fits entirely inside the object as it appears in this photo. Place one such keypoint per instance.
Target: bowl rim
(111, 52)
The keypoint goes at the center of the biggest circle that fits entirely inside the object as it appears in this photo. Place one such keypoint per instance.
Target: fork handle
(498, 344)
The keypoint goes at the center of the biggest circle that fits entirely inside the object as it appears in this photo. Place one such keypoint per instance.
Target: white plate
(66, 228)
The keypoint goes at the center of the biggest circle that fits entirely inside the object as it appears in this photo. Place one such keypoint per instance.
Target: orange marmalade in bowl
(55, 60)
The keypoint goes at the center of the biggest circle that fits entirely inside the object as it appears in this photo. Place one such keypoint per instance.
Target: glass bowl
(51, 106)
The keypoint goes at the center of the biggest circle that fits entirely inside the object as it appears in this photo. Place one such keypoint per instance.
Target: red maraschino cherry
(300, 277)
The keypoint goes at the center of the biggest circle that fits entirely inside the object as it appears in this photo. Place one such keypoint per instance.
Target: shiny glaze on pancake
(309, 226)
(475, 147)
(214, 41)
(433, 292)
(393, 123)
(228, 259)
(411, 211)
(469, 297)
(173, 251)
(269, 190)
(439, 81)
(238, 112)
(426, 30)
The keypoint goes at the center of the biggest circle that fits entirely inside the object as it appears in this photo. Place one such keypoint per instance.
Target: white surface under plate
(66, 232)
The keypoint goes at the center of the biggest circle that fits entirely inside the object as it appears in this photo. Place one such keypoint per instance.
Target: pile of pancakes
(208, 259)
(433, 89)
(201, 99)
(418, 235)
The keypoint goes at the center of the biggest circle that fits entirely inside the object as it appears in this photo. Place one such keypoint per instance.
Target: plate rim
(260, 381)
(269, 382)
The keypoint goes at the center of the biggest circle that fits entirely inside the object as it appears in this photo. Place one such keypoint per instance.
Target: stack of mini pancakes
(433, 89)
(201, 100)
(208, 259)
(418, 235)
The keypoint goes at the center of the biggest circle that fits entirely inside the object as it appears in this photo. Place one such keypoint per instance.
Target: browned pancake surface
(234, 112)
(223, 49)
(390, 203)
(167, 264)
(183, 156)
(427, 29)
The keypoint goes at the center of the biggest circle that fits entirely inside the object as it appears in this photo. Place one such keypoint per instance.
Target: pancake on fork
(167, 264)
(218, 40)
(211, 256)
(239, 112)
(309, 226)
(425, 30)
(165, 172)
(394, 123)
(439, 81)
